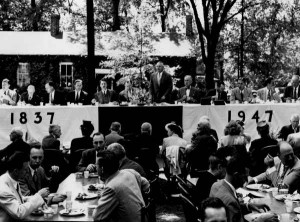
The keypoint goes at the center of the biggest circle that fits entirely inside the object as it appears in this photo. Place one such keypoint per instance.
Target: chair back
(191, 211)
(75, 158)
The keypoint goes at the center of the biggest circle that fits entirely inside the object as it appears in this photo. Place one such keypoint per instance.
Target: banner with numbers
(277, 115)
(35, 121)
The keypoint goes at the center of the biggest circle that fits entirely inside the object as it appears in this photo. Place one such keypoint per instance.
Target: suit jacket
(18, 145)
(81, 143)
(194, 95)
(221, 96)
(59, 98)
(294, 140)
(103, 99)
(49, 142)
(289, 92)
(83, 98)
(113, 137)
(235, 210)
(88, 157)
(164, 88)
(236, 95)
(35, 100)
(262, 94)
(130, 164)
(27, 185)
(203, 185)
(291, 178)
(11, 206)
(12, 94)
(122, 200)
(287, 130)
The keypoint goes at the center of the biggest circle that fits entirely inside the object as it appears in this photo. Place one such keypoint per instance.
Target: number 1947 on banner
(23, 118)
(241, 114)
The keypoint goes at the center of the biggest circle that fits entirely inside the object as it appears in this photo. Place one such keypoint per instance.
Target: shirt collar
(231, 187)
(14, 183)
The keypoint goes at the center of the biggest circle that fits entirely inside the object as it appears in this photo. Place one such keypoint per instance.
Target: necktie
(295, 93)
(50, 101)
(5, 93)
(242, 96)
(77, 97)
(269, 95)
(18, 191)
(35, 179)
(158, 78)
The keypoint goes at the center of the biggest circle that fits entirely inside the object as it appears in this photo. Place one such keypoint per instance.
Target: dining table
(74, 184)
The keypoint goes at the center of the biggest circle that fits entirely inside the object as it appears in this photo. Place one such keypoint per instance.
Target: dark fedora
(87, 124)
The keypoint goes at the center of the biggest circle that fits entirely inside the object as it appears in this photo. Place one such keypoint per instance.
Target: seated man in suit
(216, 171)
(86, 141)
(89, 157)
(30, 97)
(188, 93)
(51, 141)
(289, 129)
(122, 198)
(53, 96)
(125, 163)
(268, 92)
(225, 190)
(13, 205)
(114, 136)
(286, 172)
(105, 95)
(292, 92)
(7, 96)
(219, 93)
(34, 177)
(78, 95)
(241, 92)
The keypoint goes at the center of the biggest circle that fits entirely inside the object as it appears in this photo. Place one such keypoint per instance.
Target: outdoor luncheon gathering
(150, 110)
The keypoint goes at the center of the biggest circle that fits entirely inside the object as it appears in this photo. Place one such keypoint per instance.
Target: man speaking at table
(161, 85)
(13, 206)
(7, 96)
(241, 93)
(286, 172)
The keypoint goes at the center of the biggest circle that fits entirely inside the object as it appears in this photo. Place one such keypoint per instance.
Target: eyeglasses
(98, 142)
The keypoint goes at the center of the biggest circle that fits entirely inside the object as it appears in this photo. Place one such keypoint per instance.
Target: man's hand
(58, 198)
(55, 169)
(91, 167)
(44, 192)
(162, 98)
(251, 181)
(259, 207)
(269, 160)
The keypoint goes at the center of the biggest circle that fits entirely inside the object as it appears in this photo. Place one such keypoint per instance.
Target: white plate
(93, 175)
(297, 210)
(257, 186)
(252, 217)
(74, 212)
(88, 197)
(97, 186)
(280, 197)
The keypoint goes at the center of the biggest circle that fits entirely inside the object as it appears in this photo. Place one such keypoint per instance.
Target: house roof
(42, 43)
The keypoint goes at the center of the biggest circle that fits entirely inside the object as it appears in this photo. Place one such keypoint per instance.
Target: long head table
(71, 183)
(35, 120)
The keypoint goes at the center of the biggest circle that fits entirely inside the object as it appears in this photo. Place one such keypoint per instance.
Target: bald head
(294, 120)
(16, 133)
(295, 80)
(146, 128)
(286, 154)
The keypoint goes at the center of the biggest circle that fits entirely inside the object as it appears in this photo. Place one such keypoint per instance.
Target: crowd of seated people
(221, 167)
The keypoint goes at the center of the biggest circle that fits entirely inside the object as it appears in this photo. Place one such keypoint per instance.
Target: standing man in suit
(54, 97)
(241, 92)
(13, 206)
(225, 190)
(289, 129)
(161, 85)
(188, 93)
(268, 92)
(105, 95)
(218, 93)
(293, 91)
(89, 157)
(30, 97)
(78, 95)
(7, 96)
(35, 179)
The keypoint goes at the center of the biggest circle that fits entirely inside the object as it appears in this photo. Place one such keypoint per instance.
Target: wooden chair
(191, 212)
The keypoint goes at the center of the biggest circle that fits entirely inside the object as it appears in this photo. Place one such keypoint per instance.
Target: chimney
(54, 29)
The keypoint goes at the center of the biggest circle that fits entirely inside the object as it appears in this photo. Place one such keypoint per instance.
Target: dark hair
(103, 80)
(219, 83)
(268, 81)
(16, 161)
(108, 161)
(235, 164)
(98, 134)
(175, 129)
(50, 83)
(263, 131)
(215, 160)
(87, 129)
(115, 126)
(211, 202)
(232, 128)
(35, 144)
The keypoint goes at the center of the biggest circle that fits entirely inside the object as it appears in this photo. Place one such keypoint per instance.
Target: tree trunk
(209, 73)
(34, 16)
(162, 15)
(115, 12)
